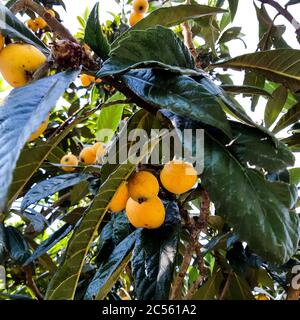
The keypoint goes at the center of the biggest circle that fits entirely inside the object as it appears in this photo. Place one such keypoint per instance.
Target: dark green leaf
(17, 245)
(255, 80)
(3, 245)
(55, 237)
(110, 270)
(282, 65)
(292, 2)
(22, 113)
(238, 289)
(181, 95)
(49, 187)
(294, 175)
(153, 262)
(14, 28)
(275, 105)
(289, 118)
(233, 6)
(94, 36)
(230, 34)
(154, 47)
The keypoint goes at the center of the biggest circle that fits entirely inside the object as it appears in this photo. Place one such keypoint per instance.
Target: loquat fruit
(2, 41)
(135, 17)
(32, 25)
(18, 62)
(178, 176)
(149, 214)
(69, 160)
(88, 156)
(40, 130)
(262, 297)
(85, 80)
(99, 149)
(140, 6)
(41, 23)
(120, 198)
(143, 185)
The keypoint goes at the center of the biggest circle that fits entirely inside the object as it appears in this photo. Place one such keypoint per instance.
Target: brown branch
(52, 22)
(31, 283)
(285, 13)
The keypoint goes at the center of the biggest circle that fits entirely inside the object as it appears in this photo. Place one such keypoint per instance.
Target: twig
(52, 22)
(285, 13)
(31, 284)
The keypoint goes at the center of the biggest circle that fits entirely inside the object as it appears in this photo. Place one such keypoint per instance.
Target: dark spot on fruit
(67, 159)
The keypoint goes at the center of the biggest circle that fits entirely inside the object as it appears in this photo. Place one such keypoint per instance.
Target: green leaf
(49, 187)
(282, 65)
(238, 289)
(110, 270)
(233, 6)
(256, 80)
(230, 34)
(210, 289)
(247, 90)
(289, 118)
(275, 105)
(46, 245)
(153, 262)
(294, 175)
(22, 113)
(247, 201)
(181, 95)
(252, 146)
(18, 247)
(171, 16)
(154, 47)
(14, 28)
(292, 2)
(3, 245)
(109, 119)
(94, 36)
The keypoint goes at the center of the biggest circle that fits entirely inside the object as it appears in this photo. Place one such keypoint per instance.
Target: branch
(285, 13)
(52, 22)
(31, 283)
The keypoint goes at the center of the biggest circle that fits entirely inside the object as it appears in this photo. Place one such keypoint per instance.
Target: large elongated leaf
(22, 113)
(110, 270)
(49, 187)
(154, 47)
(181, 95)
(17, 245)
(247, 90)
(50, 242)
(275, 105)
(14, 28)
(153, 262)
(64, 282)
(94, 36)
(289, 118)
(171, 16)
(258, 210)
(282, 65)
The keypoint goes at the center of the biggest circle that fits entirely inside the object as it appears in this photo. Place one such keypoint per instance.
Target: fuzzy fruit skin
(149, 214)
(40, 130)
(2, 41)
(99, 149)
(31, 24)
(178, 176)
(135, 17)
(85, 80)
(18, 62)
(87, 156)
(69, 159)
(140, 6)
(120, 198)
(41, 23)
(143, 185)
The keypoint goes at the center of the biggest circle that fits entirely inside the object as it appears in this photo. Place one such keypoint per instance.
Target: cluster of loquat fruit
(139, 8)
(139, 195)
(88, 156)
(39, 22)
